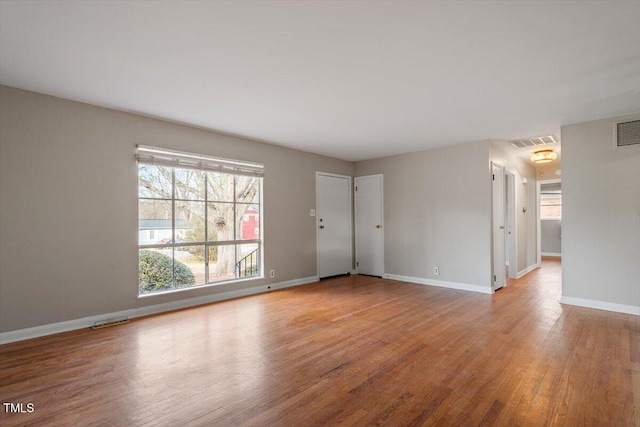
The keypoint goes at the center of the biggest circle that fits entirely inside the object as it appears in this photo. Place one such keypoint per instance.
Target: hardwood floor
(348, 351)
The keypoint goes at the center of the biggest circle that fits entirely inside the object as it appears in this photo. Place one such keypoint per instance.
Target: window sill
(193, 288)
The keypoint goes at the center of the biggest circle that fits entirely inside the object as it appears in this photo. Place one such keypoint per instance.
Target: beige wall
(551, 236)
(68, 173)
(437, 212)
(601, 214)
(548, 171)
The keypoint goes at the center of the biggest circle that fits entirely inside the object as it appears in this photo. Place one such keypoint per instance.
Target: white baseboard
(527, 270)
(550, 254)
(85, 322)
(440, 283)
(292, 283)
(601, 305)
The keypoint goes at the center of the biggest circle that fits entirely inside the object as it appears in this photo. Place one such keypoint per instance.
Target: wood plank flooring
(348, 351)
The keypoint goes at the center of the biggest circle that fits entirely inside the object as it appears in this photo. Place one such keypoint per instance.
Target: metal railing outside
(248, 266)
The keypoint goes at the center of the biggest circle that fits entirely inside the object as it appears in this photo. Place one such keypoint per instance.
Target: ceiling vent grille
(628, 133)
(533, 142)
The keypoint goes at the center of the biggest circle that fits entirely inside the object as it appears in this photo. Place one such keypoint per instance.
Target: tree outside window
(199, 214)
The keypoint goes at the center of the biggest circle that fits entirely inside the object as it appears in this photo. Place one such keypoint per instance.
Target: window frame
(547, 218)
(206, 244)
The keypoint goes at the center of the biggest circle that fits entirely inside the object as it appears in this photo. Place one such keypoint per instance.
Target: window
(152, 234)
(551, 206)
(201, 201)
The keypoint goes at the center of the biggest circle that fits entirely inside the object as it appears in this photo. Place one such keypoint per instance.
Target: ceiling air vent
(628, 133)
(534, 142)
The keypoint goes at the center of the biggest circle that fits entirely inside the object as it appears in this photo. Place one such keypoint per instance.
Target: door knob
(378, 226)
(502, 227)
(321, 227)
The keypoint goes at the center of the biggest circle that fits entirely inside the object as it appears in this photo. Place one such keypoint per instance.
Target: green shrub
(155, 272)
(251, 270)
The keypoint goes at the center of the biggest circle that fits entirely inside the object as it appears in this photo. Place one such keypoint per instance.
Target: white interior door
(333, 221)
(499, 265)
(369, 227)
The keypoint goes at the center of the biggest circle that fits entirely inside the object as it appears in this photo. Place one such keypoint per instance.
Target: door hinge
(356, 188)
(494, 278)
(357, 264)
(493, 177)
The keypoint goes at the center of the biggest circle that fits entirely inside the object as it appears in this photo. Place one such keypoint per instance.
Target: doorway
(498, 226)
(549, 196)
(369, 225)
(333, 224)
(511, 245)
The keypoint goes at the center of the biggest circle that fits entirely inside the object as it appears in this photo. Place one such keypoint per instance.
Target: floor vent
(628, 133)
(110, 322)
(534, 142)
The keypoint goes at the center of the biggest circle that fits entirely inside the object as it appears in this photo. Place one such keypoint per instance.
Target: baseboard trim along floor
(86, 322)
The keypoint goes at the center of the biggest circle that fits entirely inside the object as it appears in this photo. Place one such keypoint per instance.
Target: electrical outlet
(436, 270)
(272, 274)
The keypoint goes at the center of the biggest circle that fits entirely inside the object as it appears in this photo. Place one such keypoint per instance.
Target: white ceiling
(352, 80)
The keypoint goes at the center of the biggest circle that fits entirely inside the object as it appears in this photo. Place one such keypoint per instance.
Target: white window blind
(173, 158)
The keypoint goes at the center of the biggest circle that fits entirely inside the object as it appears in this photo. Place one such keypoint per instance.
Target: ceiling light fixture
(543, 156)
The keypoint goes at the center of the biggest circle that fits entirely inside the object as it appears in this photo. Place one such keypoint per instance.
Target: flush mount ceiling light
(543, 156)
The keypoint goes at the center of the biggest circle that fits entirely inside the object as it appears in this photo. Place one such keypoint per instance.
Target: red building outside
(251, 224)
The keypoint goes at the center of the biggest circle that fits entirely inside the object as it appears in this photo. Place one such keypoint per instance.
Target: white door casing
(497, 227)
(538, 220)
(511, 252)
(333, 224)
(369, 225)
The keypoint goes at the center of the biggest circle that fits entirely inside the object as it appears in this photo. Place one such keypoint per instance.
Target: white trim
(173, 158)
(512, 190)
(195, 288)
(439, 283)
(85, 322)
(292, 283)
(501, 257)
(601, 305)
(551, 254)
(528, 270)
